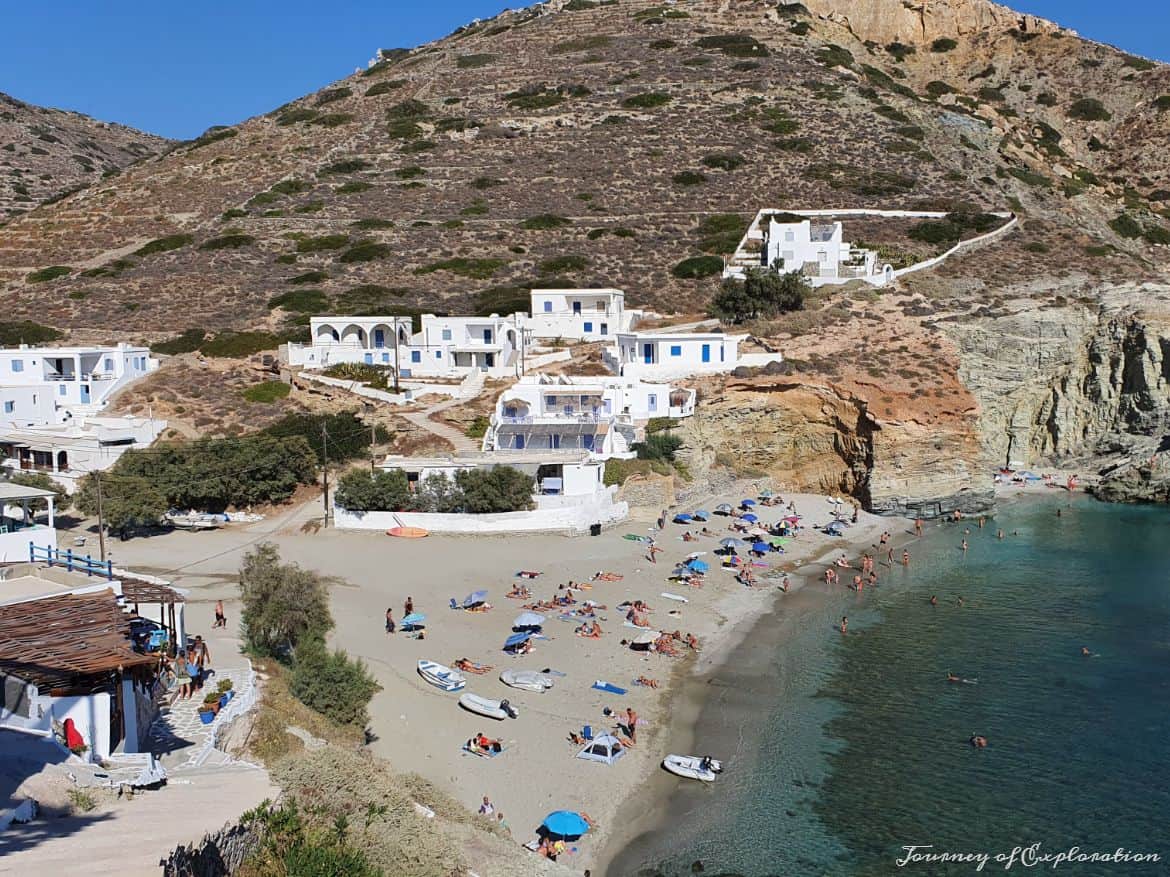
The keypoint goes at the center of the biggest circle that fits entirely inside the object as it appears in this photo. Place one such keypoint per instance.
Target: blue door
(605, 328)
(519, 442)
(706, 353)
(490, 359)
(379, 338)
(487, 336)
(648, 353)
(369, 357)
(84, 393)
(576, 307)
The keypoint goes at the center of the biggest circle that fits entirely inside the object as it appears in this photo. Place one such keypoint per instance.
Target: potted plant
(225, 692)
(211, 701)
(206, 714)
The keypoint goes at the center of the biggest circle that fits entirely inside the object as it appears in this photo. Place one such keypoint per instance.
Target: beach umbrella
(766, 494)
(761, 548)
(683, 519)
(474, 599)
(723, 508)
(527, 619)
(695, 554)
(793, 519)
(751, 519)
(747, 503)
(565, 823)
(700, 514)
(415, 619)
(729, 542)
(759, 532)
(697, 566)
(517, 639)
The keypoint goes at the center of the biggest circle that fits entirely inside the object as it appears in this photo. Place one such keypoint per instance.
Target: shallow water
(844, 749)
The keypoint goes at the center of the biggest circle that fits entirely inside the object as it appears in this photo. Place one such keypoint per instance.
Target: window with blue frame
(548, 307)
(587, 441)
(438, 354)
(18, 365)
(446, 334)
(676, 350)
(9, 407)
(62, 390)
(588, 327)
(416, 356)
(109, 364)
(385, 357)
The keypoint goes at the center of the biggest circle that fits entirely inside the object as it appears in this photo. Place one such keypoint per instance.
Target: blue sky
(175, 68)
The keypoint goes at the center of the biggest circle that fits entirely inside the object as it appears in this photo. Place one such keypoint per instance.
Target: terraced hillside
(45, 153)
(607, 143)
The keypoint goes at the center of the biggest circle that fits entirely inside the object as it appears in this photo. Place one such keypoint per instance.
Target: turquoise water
(844, 749)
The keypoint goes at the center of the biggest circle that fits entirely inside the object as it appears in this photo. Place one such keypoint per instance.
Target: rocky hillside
(626, 143)
(45, 153)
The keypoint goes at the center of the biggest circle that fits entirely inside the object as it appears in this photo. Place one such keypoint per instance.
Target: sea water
(844, 750)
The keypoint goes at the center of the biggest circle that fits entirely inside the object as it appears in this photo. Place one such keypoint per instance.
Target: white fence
(563, 516)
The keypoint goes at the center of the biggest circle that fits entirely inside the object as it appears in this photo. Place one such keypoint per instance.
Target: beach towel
(602, 685)
(634, 537)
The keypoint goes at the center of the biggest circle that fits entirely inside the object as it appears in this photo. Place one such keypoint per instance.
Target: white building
(814, 246)
(565, 473)
(51, 399)
(665, 355)
(601, 415)
(579, 314)
(18, 522)
(444, 346)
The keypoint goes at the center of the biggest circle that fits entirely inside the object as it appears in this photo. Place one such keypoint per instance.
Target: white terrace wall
(552, 515)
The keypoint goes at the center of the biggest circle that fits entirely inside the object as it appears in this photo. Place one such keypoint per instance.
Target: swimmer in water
(951, 677)
(905, 558)
(933, 599)
(999, 535)
(960, 601)
(978, 741)
(964, 545)
(844, 624)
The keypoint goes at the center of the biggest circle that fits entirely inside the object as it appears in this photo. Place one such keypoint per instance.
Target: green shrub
(478, 427)
(471, 62)
(721, 232)
(267, 392)
(188, 342)
(1156, 234)
(232, 213)
(539, 101)
(409, 172)
(832, 55)
(698, 266)
(688, 178)
(346, 166)
(900, 51)
(501, 300)
(658, 446)
(1162, 102)
(365, 251)
(545, 221)
(761, 294)
(727, 161)
(1036, 247)
(162, 245)
(499, 489)
(1046, 99)
(332, 120)
(43, 275)
(228, 242)
(1139, 64)
(380, 377)
(330, 95)
(991, 95)
(485, 182)
(335, 686)
(349, 437)
(1030, 178)
(1125, 225)
(559, 264)
(943, 44)
(371, 224)
(300, 301)
(385, 87)
(582, 44)
(794, 144)
(663, 44)
(791, 10)
(299, 114)
(646, 101)
(1089, 109)
(13, 334)
(314, 276)
(479, 269)
(734, 45)
(660, 424)
(284, 605)
(237, 345)
(937, 88)
(322, 243)
(352, 187)
(212, 135)
(368, 298)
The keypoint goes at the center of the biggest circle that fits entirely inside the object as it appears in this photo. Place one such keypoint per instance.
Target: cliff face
(924, 21)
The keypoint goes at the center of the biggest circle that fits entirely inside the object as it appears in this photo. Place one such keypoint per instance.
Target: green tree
(499, 489)
(290, 846)
(127, 500)
(659, 446)
(363, 491)
(762, 293)
(439, 494)
(61, 502)
(331, 683)
(283, 603)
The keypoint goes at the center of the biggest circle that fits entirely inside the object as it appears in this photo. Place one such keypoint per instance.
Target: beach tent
(566, 824)
(697, 565)
(474, 599)
(607, 749)
(747, 503)
(415, 619)
(751, 519)
(700, 514)
(834, 529)
(683, 519)
(527, 622)
(723, 509)
(516, 640)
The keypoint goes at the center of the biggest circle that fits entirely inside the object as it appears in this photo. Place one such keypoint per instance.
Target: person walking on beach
(784, 584)
(918, 526)
(220, 618)
(486, 808)
(389, 620)
(652, 553)
(632, 724)
(408, 606)
(890, 557)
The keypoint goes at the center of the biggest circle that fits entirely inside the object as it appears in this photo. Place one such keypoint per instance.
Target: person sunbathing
(519, 592)
(482, 743)
(589, 631)
(688, 536)
(469, 666)
(692, 641)
(649, 683)
(600, 576)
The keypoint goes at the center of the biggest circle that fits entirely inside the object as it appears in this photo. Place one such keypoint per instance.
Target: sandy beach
(417, 727)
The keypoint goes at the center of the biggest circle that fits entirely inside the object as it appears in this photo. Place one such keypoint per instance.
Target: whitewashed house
(19, 527)
(443, 347)
(579, 314)
(51, 399)
(665, 355)
(604, 416)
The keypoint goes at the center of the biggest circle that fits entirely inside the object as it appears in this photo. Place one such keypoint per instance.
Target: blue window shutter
(588, 327)
(548, 307)
(415, 356)
(676, 350)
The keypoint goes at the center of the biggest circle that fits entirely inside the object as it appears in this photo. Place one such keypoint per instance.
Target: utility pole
(373, 439)
(325, 468)
(396, 342)
(97, 476)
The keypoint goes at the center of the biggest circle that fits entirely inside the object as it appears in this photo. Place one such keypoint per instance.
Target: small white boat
(527, 680)
(493, 709)
(693, 767)
(441, 676)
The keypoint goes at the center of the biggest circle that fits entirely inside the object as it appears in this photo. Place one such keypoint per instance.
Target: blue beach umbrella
(732, 543)
(415, 619)
(700, 514)
(683, 519)
(747, 503)
(761, 548)
(517, 639)
(697, 565)
(751, 519)
(565, 823)
(527, 620)
(474, 599)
